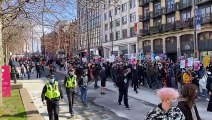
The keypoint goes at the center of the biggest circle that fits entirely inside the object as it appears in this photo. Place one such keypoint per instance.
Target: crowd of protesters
(154, 75)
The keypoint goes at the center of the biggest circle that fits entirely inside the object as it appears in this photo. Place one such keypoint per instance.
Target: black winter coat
(209, 88)
(184, 107)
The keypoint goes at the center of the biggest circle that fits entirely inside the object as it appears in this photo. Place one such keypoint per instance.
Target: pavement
(102, 107)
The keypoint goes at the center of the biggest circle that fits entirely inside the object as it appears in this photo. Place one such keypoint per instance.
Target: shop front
(171, 48)
(187, 45)
(205, 44)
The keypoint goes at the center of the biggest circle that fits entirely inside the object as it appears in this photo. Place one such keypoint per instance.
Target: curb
(31, 111)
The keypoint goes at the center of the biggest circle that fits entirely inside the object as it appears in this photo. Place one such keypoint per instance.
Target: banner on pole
(6, 87)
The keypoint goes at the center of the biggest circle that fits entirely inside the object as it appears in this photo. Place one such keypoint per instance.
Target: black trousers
(135, 84)
(70, 94)
(123, 92)
(38, 73)
(53, 110)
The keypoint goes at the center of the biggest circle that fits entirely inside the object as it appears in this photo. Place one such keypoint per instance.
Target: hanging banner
(6, 87)
(207, 60)
(196, 65)
(190, 61)
(182, 64)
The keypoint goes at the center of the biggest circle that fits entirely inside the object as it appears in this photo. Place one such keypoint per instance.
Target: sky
(56, 10)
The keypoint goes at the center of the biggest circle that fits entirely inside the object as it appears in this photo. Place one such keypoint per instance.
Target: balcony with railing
(143, 2)
(156, 29)
(144, 17)
(168, 27)
(207, 18)
(156, 13)
(198, 2)
(182, 5)
(179, 24)
(170, 8)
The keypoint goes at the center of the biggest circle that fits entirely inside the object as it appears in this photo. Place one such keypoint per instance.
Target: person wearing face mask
(166, 110)
(70, 84)
(51, 95)
(135, 78)
(187, 102)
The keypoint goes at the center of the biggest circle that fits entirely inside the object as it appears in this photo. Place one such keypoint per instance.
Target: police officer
(70, 84)
(51, 95)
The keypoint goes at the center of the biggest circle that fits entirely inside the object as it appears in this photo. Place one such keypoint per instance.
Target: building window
(132, 4)
(106, 27)
(146, 11)
(111, 36)
(106, 39)
(118, 35)
(170, 4)
(117, 11)
(110, 13)
(157, 22)
(132, 32)
(170, 19)
(146, 25)
(117, 22)
(124, 20)
(111, 24)
(147, 43)
(206, 13)
(124, 7)
(132, 17)
(105, 16)
(185, 15)
(124, 33)
(157, 7)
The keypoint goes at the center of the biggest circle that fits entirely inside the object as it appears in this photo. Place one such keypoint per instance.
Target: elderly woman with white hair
(167, 109)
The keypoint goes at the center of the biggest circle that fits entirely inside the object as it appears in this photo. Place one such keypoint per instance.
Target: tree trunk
(1, 54)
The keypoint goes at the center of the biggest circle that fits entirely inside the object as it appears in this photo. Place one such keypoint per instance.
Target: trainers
(127, 108)
(207, 99)
(72, 114)
(119, 103)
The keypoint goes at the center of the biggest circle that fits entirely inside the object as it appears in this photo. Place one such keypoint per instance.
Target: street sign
(198, 18)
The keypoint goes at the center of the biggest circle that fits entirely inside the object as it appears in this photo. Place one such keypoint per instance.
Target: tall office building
(119, 25)
(166, 27)
(89, 27)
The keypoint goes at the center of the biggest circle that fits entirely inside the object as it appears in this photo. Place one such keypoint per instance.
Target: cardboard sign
(6, 87)
(190, 61)
(182, 64)
(196, 65)
(207, 60)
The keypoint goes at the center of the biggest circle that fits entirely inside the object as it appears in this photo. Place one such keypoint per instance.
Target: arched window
(187, 42)
(171, 44)
(205, 41)
(146, 46)
(158, 45)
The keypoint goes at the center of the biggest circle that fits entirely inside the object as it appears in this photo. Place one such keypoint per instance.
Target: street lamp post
(80, 55)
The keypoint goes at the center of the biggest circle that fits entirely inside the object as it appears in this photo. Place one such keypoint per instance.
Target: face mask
(51, 80)
(71, 73)
(174, 103)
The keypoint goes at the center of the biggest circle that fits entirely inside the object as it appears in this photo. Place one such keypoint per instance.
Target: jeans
(96, 82)
(83, 94)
